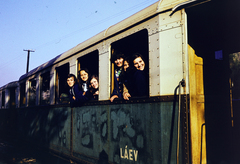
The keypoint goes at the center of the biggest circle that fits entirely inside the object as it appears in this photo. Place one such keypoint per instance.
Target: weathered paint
(127, 132)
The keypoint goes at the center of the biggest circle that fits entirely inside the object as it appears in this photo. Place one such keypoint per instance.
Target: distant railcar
(167, 126)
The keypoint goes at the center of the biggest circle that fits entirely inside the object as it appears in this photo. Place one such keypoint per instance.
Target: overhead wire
(12, 61)
(94, 24)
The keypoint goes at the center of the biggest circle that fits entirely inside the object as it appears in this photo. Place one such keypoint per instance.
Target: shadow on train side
(44, 125)
(37, 126)
(32, 132)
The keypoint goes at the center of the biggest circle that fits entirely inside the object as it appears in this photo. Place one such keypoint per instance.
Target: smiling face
(119, 62)
(139, 63)
(94, 83)
(70, 81)
(126, 65)
(84, 75)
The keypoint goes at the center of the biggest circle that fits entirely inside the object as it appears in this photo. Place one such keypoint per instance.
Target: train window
(83, 63)
(22, 94)
(32, 92)
(134, 44)
(45, 89)
(61, 94)
(3, 99)
(12, 97)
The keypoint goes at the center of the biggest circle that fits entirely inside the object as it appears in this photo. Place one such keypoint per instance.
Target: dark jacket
(79, 97)
(139, 84)
(118, 85)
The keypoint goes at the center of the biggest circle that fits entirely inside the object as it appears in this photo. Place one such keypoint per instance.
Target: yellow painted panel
(197, 109)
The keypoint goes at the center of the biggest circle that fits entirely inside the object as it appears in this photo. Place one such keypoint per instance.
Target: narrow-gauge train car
(167, 126)
(8, 95)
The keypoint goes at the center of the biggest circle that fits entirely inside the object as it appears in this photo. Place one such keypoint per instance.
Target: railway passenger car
(167, 126)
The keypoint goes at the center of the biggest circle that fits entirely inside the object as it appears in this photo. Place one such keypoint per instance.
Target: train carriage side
(141, 130)
(8, 100)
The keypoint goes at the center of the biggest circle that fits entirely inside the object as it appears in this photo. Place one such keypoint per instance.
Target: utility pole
(28, 58)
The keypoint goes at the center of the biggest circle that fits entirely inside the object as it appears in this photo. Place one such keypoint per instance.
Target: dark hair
(91, 89)
(84, 69)
(79, 76)
(127, 59)
(117, 55)
(94, 76)
(134, 56)
(74, 77)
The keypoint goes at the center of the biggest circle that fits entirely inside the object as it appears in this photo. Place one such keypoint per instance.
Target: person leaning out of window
(139, 85)
(84, 75)
(117, 59)
(76, 96)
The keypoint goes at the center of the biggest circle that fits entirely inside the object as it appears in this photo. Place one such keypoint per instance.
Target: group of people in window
(130, 80)
(83, 89)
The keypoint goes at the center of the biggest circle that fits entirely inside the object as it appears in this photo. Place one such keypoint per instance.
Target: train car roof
(41, 67)
(10, 85)
(156, 8)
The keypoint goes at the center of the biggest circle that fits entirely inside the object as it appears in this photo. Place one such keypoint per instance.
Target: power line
(96, 23)
(11, 61)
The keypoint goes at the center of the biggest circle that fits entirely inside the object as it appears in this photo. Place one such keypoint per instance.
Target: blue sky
(53, 27)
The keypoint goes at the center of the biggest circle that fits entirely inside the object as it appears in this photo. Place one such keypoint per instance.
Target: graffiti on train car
(129, 154)
(127, 130)
(122, 122)
(104, 126)
(62, 137)
(88, 123)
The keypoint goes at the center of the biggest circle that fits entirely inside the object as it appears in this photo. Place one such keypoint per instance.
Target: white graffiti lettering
(128, 154)
(135, 154)
(121, 153)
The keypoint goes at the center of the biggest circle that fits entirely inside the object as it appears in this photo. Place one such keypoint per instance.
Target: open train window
(90, 62)
(61, 95)
(45, 89)
(12, 97)
(3, 99)
(22, 94)
(136, 43)
(32, 92)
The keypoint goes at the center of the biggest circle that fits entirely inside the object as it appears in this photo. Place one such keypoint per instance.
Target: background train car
(8, 104)
(142, 130)
(8, 95)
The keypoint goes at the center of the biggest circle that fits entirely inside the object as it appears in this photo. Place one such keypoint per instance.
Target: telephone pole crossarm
(28, 58)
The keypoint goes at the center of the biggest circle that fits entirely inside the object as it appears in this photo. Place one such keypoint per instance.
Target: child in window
(139, 83)
(127, 88)
(93, 90)
(139, 76)
(76, 96)
(83, 80)
(117, 60)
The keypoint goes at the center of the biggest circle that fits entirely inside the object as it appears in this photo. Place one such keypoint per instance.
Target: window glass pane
(12, 98)
(61, 84)
(45, 89)
(32, 93)
(22, 94)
